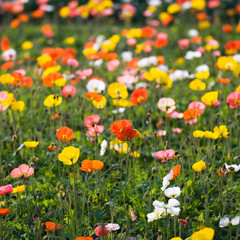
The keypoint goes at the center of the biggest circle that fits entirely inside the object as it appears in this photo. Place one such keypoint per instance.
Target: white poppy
(103, 147)
(112, 226)
(96, 63)
(126, 56)
(158, 213)
(226, 222)
(96, 85)
(202, 68)
(193, 33)
(191, 55)
(172, 192)
(233, 167)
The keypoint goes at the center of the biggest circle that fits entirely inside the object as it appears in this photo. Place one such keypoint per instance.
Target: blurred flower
(224, 222)
(139, 96)
(172, 192)
(165, 155)
(4, 211)
(18, 189)
(27, 45)
(101, 231)
(166, 105)
(31, 144)
(221, 131)
(103, 147)
(203, 234)
(112, 226)
(234, 99)
(133, 216)
(7, 189)
(209, 98)
(52, 101)
(50, 226)
(68, 91)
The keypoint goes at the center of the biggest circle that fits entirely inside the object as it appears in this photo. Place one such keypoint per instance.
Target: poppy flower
(97, 129)
(101, 231)
(139, 96)
(31, 144)
(95, 84)
(91, 121)
(165, 155)
(18, 189)
(93, 96)
(190, 113)
(234, 99)
(127, 134)
(84, 238)
(68, 91)
(183, 222)
(205, 233)
(52, 101)
(50, 226)
(166, 105)
(7, 189)
(91, 165)
(26, 82)
(4, 211)
(117, 90)
(65, 134)
(69, 155)
(5, 44)
(133, 216)
(7, 65)
(199, 166)
(118, 126)
(22, 170)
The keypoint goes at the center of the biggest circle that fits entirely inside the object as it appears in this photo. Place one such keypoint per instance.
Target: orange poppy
(160, 60)
(68, 53)
(37, 14)
(133, 63)
(223, 80)
(17, 78)
(15, 23)
(7, 65)
(127, 134)
(54, 53)
(124, 32)
(55, 116)
(5, 44)
(196, 40)
(190, 113)
(46, 29)
(201, 16)
(49, 80)
(65, 134)
(51, 227)
(107, 56)
(89, 45)
(176, 171)
(84, 238)
(139, 96)
(118, 126)
(23, 17)
(93, 96)
(4, 211)
(91, 165)
(227, 28)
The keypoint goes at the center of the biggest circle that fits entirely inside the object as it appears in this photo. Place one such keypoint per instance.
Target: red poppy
(127, 134)
(148, 32)
(101, 231)
(4, 211)
(51, 227)
(118, 126)
(55, 116)
(65, 134)
(51, 148)
(84, 238)
(190, 113)
(139, 96)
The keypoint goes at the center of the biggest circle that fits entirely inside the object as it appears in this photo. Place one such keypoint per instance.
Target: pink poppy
(213, 3)
(83, 74)
(41, 2)
(234, 99)
(200, 49)
(131, 41)
(147, 13)
(216, 53)
(91, 121)
(165, 155)
(97, 129)
(22, 170)
(20, 71)
(216, 103)
(133, 216)
(175, 115)
(197, 105)
(68, 91)
(162, 36)
(6, 189)
(177, 130)
(3, 96)
(113, 65)
(72, 62)
(161, 133)
(183, 43)
(129, 71)
(154, 23)
(107, 12)
(127, 79)
(191, 121)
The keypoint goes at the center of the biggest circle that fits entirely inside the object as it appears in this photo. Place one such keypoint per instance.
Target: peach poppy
(7, 65)
(65, 134)
(91, 165)
(51, 227)
(139, 96)
(4, 211)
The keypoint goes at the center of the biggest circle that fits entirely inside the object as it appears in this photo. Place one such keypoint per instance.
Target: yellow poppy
(221, 131)
(197, 85)
(17, 106)
(199, 166)
(198, 134)
(31, 144)
(210, 98)
(117, 90)
(18, 189)
(52, 101)
(69, 155)
(203, 234)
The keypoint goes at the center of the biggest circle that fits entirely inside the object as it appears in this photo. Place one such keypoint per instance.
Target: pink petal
(15, 173)
(23, 168)
(170, 153)
(30, 172)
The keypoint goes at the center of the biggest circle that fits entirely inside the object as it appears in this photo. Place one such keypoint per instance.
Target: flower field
(120, 120)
